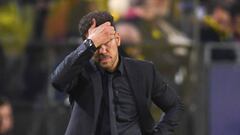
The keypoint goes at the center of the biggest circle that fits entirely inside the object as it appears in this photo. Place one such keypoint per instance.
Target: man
(110, 94)
(6, 118)
(216, 27)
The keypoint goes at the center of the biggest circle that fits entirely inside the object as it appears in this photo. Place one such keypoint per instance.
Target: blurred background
(193, 43)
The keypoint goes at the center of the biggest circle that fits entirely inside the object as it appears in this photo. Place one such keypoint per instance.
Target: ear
(118, 38)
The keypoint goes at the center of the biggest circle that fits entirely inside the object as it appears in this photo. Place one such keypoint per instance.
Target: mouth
(104, 59)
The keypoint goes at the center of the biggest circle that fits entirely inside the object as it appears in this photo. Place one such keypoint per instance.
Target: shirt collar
(120, 66)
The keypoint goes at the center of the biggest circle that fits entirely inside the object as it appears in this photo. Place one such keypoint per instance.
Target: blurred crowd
(28, 28)
(147, 22)
(25, 24)
(220, 22)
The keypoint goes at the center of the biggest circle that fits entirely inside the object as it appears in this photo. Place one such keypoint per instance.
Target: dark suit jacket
(78, 76)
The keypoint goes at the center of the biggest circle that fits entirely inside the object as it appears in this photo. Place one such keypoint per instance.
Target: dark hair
(86, 21)
(4, 101)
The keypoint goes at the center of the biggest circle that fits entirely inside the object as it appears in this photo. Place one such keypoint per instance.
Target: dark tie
(112, 114)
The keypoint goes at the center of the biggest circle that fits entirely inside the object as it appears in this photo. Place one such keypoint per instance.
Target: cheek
(115, 52)
(95, 56)
(7, 122)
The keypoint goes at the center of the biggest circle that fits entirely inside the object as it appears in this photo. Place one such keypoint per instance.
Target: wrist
(95, 41)
(89, 44)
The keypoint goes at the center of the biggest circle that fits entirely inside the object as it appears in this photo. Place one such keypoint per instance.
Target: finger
(93, 24)
(111, 37)
(106, 24)
(108, 28)
(111, 30)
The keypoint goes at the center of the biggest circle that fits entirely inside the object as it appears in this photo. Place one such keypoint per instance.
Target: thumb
(93, 24)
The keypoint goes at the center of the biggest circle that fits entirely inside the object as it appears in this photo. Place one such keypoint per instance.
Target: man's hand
(101, 34)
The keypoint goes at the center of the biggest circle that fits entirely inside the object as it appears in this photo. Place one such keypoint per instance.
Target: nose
(102, 49)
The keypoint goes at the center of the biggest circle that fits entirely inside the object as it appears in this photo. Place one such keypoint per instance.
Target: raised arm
(65, 75)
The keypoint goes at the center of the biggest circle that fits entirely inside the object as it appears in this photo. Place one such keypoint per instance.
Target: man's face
(6, 121)
(107, 54)
(223, 18)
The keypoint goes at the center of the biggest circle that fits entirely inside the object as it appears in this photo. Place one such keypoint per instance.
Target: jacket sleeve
(65, 75)
(167, 100)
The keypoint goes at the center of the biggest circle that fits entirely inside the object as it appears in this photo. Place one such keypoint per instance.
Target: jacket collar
(135, 78)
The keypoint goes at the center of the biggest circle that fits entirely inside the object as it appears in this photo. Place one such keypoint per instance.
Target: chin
(105, 65)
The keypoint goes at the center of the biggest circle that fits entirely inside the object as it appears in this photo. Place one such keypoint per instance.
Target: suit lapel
(135, 78)
(97, 90)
